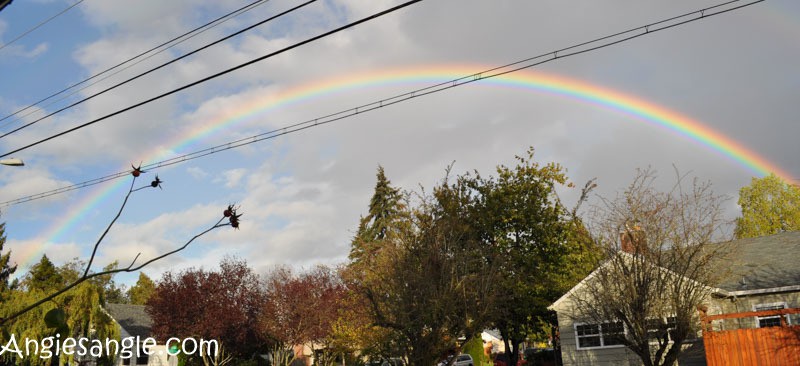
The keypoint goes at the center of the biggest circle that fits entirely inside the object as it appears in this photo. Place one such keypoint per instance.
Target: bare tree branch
(229, 214)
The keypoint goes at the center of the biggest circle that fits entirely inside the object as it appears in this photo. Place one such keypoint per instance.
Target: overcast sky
(302, 194)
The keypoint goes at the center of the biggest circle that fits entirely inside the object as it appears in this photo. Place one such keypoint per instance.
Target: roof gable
(764, 263)
(133, 318)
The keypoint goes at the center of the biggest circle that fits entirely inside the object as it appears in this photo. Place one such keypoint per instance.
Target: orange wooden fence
(757, 346)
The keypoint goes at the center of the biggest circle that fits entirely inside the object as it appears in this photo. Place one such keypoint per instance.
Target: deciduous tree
(303, 309)
(429, 282)
(476, 252)
(80, 306)
(535, 244)
(663, 256)
(142, 290)
(769, 206)
(222, 305)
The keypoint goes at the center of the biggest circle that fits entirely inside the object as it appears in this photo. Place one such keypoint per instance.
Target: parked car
(502, 360)
(461, 360)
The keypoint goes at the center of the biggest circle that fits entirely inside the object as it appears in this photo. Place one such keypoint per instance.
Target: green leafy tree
(430, 284)
(77, 312)
(112, 293)
(476, 252)
(769, 206)
(538, 248)
(142, 290)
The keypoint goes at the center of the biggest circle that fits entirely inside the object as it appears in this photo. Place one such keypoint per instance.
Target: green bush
(475, 349)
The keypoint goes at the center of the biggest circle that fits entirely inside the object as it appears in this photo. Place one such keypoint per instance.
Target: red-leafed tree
(302, 309)
(221, 305)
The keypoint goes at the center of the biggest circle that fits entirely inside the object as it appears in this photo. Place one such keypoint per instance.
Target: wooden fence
(778, 345)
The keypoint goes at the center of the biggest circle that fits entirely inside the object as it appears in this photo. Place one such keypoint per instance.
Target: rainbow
(258, 106)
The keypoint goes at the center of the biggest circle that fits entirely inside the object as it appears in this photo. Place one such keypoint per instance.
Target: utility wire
(530, 62)
(158, 68)
(214, 76)
(170, 43)
(40, 24)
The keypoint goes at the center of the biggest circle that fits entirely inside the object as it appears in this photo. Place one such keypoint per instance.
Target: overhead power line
(40, 24)
(141, 56)
(214, 76)
(157, 68)
(523, 64)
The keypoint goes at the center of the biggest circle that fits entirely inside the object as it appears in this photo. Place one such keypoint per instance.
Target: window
(661, 328)
(588, 335)
(613, 333)
(599, 335)
(770, 321)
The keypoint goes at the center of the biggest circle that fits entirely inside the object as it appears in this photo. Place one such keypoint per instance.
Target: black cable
(40, 24)
(158, 67)
(485, 74)
(207, 26)
(187, 86)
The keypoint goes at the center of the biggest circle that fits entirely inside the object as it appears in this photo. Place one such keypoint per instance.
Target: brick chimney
(632, 240)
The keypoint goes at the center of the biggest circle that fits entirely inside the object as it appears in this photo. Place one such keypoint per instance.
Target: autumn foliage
(302, 309)
(222, 305)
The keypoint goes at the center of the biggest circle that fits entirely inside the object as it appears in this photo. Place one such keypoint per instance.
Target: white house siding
(741, 304)
(572, 356)
(693, 352)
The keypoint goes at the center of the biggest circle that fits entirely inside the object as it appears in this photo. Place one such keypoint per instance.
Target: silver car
(461, 360)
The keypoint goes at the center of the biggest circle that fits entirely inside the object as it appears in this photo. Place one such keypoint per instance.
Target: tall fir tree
(6, 269)
(44, 276)
(384, 209)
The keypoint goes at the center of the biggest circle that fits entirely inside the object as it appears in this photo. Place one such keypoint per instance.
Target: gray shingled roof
(131, 317)
(765, 262)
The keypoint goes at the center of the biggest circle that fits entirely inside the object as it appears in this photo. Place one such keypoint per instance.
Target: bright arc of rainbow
(258, 106)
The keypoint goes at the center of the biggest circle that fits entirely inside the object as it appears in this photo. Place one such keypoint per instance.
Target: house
(136, 323)
(492, 338)
(764, 275)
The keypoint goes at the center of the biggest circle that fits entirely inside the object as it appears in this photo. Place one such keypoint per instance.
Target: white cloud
(26, 253)
(302, 194)
(31, 53)
(197, 172)
(231, 178)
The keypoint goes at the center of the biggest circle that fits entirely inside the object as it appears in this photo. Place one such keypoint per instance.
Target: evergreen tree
(44, 276)
(384, 209)
(142, 290)
(6, 270)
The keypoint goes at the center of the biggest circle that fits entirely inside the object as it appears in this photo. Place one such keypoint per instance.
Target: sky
(729, 80)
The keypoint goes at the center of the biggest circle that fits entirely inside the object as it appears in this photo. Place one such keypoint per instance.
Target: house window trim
(771, 304)
(692, 337)
(600, 334)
